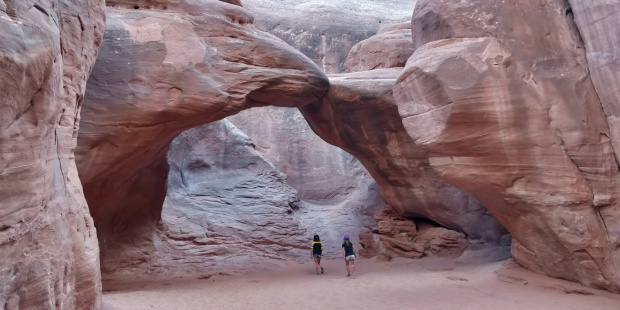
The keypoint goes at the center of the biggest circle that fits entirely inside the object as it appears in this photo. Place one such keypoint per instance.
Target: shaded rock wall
(49, 256)
(150, 84)
(326, 30)
(337, 194)
(227, 207)
(500, 98)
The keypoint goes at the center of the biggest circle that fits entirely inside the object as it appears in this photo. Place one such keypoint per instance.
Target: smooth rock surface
(507, 111)
(150, 84)
(49, 256)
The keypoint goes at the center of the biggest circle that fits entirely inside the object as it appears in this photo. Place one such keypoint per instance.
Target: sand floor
(403, 284)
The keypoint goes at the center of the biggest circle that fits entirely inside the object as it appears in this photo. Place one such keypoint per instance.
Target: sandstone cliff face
(48, 248)
(500, 97)
(599, 26)
(325, 30)
(150, 84)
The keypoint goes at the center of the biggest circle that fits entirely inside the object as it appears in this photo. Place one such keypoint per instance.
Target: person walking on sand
(349, 255)
(317, 251)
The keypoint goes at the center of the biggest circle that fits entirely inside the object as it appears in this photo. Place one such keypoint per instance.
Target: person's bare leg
(316, 264)
(353, 266)
(348, 270)
(320, 267)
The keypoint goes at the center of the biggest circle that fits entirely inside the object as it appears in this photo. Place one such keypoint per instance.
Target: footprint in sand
(455, 278)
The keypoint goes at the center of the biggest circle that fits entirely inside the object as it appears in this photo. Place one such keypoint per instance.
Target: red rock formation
(508, 112)
(164, 68)
(49, 256)
(360, 115)
(398, 236)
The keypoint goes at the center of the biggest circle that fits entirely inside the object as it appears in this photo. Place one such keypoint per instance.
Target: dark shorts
(316, 255)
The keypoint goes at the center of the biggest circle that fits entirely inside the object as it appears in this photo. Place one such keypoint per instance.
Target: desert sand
(401, 284)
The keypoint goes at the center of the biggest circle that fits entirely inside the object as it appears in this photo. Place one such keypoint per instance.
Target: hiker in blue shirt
(349, 255)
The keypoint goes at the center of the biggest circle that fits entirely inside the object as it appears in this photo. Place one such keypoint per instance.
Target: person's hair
(316, 238)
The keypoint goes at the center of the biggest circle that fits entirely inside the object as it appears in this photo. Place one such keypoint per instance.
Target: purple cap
(346, 237)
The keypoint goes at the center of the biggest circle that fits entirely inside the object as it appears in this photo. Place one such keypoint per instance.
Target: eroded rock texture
(49, 256)
(325, 30)
(164, 68)
(227, 207)
(500, 98)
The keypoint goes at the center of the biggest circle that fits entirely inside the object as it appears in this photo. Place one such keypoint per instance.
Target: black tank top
(316, 248)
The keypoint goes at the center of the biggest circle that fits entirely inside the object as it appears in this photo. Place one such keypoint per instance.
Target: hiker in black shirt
(349, 254)
(317, 251)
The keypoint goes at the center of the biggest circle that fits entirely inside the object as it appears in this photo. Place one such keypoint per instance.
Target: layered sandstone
(49, 256)
(500, 97)
(150, 84)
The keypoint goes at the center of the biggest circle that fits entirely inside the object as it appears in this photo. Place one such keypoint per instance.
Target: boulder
(502, 102)
(389, 48)
(49, 257)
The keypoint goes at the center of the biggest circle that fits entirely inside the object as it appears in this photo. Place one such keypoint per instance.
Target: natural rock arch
(164, 70)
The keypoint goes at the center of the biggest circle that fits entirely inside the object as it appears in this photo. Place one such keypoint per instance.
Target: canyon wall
(49, 257)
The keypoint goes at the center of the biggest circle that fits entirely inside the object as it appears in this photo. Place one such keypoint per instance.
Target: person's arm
(343, 253)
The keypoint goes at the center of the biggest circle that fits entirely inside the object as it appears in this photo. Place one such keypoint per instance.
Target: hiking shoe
(316, 273)
(348, 274)
(321, 270)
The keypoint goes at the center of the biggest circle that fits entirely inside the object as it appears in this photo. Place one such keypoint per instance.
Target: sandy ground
(403, 284)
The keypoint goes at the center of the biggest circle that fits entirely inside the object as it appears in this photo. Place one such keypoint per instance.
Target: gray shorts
(349, 258)
(316, 255)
